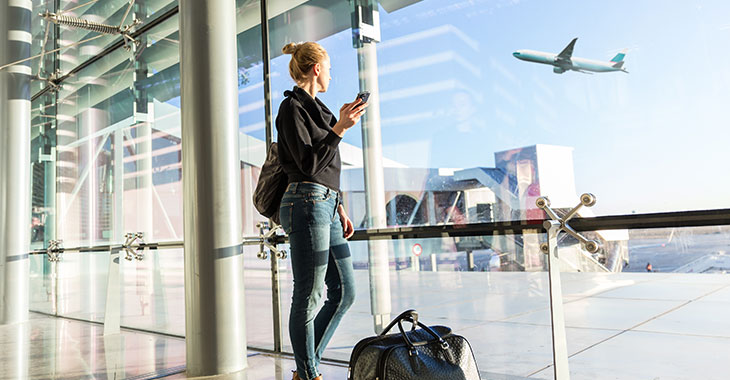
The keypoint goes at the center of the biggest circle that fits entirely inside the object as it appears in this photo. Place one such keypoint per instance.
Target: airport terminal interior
(543, 178)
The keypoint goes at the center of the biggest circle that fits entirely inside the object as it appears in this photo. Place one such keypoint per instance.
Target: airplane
(564, 61)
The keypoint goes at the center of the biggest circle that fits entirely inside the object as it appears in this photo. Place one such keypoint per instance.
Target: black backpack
(271, 186)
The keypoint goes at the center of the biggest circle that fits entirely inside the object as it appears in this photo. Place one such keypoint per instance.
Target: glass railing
(664, 312)
(491, 287)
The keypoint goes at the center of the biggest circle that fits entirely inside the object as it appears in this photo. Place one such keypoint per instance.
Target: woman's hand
(350, 114)
(346, 222)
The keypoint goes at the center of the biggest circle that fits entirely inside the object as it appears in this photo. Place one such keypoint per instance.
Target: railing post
(557, 316)
(276, 303)
(53, 256)
(112, 314)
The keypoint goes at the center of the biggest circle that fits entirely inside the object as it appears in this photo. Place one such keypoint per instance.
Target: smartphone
(363, 96)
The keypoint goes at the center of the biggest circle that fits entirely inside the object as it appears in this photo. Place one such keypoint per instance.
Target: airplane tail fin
(618, 65)
(619, 57)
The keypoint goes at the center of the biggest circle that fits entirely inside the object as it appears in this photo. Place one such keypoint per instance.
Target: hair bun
(290, 48)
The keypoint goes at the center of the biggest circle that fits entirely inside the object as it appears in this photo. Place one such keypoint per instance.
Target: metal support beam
(378, 260)
(214, 287)
(144, 118)
(15, 40)
(470, 261)
(118, 180)
(112, 311)
(275, 280)
(557, 316)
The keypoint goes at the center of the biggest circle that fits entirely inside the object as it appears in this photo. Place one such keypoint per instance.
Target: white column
(214, 294)
(15, 40)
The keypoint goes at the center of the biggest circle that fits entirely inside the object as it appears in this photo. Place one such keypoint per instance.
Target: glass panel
(667, 300)
(455, 93)
(92, 107)
(43, 169)
(418, 193)
(42, 285)
(153, 295)
(119, 150)
(82, 284)
(486, 305)
(259, 309)
(153, 292)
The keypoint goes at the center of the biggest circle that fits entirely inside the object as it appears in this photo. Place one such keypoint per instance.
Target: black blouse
(308, 148)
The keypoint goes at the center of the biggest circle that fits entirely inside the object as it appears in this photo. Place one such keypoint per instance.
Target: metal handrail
(599, 223)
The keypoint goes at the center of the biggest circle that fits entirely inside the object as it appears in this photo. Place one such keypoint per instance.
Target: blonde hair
(304, 56)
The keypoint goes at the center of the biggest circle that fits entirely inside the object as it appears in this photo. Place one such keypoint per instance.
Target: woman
(310, 211)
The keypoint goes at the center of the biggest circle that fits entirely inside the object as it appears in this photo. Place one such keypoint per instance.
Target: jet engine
(558, 70)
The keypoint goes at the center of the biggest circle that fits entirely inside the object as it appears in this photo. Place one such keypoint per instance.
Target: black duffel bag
(271, 185)
(428, 353)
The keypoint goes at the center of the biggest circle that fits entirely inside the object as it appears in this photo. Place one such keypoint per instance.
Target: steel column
(112, 311)
(378, 260)
(557, 316)
(144, 118)
(470, 261)
(214, 286)
(15, 40)
(275, 280)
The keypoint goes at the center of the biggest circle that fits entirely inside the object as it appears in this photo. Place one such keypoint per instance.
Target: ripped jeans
(320, 256)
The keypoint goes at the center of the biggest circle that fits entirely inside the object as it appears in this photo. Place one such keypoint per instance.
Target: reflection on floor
(270, 367)
(623, 326)
(58, 348)
(55, 348)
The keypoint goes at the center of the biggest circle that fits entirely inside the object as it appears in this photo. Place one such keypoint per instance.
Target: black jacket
(308, 148)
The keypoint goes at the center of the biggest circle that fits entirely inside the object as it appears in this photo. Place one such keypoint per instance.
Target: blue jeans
(319, 255)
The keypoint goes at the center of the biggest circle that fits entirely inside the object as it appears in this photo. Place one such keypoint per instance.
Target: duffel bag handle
(409, 315)
(411, 347)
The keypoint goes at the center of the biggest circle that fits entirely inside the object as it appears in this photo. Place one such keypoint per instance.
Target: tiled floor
(55, 348)
(619, 326)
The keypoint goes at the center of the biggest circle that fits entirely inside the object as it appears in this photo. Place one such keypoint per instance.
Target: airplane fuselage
(574, 63)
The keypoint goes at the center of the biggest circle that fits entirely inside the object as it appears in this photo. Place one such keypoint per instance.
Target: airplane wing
(568, 51)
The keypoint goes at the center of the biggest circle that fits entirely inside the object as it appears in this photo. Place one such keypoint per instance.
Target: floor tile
(696, 318)
(662, 290)
(603, 313)
(643, 355)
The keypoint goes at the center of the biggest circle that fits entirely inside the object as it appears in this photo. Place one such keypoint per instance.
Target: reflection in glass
(469, 135)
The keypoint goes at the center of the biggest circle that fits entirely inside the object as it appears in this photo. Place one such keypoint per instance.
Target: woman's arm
(347, 226)
(350, 114)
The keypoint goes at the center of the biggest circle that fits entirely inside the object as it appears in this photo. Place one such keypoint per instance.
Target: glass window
(453, 95)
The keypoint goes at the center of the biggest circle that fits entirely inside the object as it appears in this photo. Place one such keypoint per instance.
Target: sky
(452, 94)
